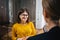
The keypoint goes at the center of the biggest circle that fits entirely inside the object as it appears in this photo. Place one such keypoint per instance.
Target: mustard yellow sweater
(19, 30)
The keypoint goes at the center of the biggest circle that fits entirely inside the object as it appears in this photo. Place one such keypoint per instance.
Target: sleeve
(36, 37)
(31, 38)
(33, 29)
(14, 33)
(43, 36)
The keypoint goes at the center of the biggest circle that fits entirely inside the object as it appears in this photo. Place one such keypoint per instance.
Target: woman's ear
(45, 14)
(46, 17)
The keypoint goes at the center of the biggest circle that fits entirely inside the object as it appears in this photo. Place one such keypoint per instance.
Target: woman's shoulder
(15, 24)
(30, 22)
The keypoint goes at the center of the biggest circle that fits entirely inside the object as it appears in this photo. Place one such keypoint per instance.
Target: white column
(10, 11)
(39, 15)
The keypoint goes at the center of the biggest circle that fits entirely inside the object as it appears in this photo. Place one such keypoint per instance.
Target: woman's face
(24, 16)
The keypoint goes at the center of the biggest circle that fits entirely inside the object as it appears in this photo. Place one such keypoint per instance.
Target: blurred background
(8, 15)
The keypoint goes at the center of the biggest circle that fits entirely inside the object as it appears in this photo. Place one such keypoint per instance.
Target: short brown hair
(52, 8)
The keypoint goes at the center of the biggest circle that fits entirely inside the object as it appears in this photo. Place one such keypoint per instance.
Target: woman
(51, 12)
(23, 28)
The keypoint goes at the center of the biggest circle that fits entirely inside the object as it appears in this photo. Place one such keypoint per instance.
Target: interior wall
(4, 16)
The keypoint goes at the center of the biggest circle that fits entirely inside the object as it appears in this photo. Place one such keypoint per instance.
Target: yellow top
(20, 30)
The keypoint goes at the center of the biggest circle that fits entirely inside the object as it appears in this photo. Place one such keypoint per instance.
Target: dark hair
(52, 8)
(22, 10)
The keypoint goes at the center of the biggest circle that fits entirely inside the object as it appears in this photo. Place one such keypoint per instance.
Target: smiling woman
(23, 15)
(23, 28)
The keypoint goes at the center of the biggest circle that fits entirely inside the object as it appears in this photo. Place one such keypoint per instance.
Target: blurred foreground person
(51, 12)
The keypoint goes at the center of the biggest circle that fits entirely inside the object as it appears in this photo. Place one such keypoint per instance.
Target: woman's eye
(24, 15)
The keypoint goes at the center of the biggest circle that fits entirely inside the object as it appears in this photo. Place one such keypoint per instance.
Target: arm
(43, 36)
(36, 37)
(13, 33)
(33, 29)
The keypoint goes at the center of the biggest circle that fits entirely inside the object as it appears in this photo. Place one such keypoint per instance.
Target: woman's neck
(23, 22)
(50, 25)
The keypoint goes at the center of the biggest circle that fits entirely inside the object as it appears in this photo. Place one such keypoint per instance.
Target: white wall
(39, 15)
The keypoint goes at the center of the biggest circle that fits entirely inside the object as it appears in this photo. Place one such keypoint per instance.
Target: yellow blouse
(19, 30)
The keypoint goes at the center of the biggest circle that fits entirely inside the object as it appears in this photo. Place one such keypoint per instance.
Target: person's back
(51, 12)
(53, 34)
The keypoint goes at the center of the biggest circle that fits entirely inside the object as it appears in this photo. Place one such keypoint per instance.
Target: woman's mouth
(24, 18)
